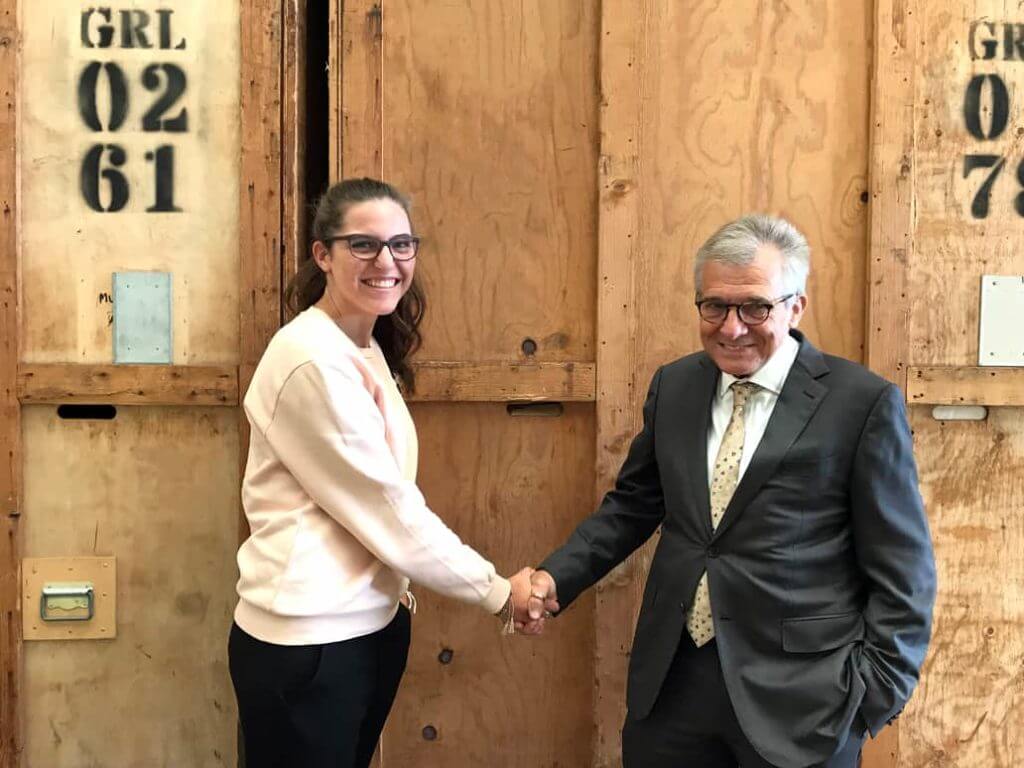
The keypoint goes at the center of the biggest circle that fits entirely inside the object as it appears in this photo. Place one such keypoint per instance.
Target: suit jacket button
(712, 552)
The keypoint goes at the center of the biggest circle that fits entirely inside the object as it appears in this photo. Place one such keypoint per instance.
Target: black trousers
(693, 723)
(316, 706)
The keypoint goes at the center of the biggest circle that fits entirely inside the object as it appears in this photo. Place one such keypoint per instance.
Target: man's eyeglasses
(749, 312)
(368, 247)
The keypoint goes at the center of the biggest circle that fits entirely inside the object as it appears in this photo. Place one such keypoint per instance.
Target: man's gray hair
(738, 241)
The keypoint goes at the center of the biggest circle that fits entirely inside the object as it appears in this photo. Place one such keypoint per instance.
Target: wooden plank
(498, 148)
(260, 239)
(68, 249)
(971, 473)
(942, 385)
(218, 385)
(261, 169)
(487, 475)
(955, 245)
(156, 488)
(10, 414)
(502, 382)
(620, 321)
(293, 126)
(972, 481)
(359, 134)
(891, 183)
(128, 384)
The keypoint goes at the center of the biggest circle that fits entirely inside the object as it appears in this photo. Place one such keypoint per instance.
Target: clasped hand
(534, 600)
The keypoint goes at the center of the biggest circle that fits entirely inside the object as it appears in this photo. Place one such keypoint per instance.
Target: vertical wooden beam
(293, 129)
(891, 245)
(619, 394)
(334, 90)
(10, 413)
(261, 216)
(358, 113)
(891, 180)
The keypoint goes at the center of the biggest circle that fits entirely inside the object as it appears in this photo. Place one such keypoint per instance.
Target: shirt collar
(772, 375)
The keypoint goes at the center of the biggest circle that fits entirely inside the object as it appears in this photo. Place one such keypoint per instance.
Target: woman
(320, 638)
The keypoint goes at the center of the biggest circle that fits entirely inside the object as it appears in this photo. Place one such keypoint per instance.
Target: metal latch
(66, 601)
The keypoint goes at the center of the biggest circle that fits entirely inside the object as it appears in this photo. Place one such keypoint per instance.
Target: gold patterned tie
(724, 479)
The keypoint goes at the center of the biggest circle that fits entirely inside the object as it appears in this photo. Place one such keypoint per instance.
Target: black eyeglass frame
(768, 306)
(347, 239)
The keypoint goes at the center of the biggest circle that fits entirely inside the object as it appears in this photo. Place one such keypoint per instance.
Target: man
(788, 606)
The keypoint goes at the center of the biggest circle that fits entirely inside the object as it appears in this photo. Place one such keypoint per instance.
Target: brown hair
(398, 333)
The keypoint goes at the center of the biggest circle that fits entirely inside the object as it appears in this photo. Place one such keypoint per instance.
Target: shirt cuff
(501, 588)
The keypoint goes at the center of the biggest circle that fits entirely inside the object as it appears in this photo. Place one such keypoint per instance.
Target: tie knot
(741, 392)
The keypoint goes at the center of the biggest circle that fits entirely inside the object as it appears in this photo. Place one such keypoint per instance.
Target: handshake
(534, 599)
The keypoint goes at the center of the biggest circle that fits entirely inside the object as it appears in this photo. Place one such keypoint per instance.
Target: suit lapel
(800, 397)
(696, 421)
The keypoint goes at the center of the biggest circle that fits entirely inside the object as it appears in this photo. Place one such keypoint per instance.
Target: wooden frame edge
(891, 236)
(127, 384)
(261, 210)
(965, 385)
(891, 182)
(11, 661)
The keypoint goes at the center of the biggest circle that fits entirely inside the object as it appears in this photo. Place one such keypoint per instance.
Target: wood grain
(512, 488)
(970, 695)
(261, 170)
(294, 89)
(970, 472)
(68, 250)
(503, 382)
(622, 264)
(953, 249)
(490, 124)
(893, 169)
(156, 488)
(128, 384)
(359, 117)
(11, 544)
(941, 385)
(260, 244)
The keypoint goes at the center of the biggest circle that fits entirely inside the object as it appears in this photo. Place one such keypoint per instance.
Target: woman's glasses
(368, 247)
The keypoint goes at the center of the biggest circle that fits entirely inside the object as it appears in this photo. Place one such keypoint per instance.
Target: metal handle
(66, 601)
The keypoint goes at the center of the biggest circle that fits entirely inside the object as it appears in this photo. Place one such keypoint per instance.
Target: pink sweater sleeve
(327, 430)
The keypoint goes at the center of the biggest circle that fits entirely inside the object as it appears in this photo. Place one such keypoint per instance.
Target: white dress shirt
(769, 377)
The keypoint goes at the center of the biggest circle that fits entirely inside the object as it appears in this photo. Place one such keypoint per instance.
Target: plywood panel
(755, 111)
(513, 488)
(712, 111)
(969, 693)
(892, 188)
(953, 246)
(623, 269)
(69, 250)
(157, 488)
(970, 702)
(10, 415)
(490, 123)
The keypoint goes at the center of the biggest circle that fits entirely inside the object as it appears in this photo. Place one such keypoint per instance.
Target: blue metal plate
(142, 317)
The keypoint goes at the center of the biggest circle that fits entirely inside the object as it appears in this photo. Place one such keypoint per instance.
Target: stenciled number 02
(102, 161)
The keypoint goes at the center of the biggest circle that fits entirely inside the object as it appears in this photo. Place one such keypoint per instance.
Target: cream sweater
(337, 523)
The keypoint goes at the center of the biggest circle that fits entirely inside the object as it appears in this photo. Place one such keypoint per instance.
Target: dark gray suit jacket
(821, 573)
